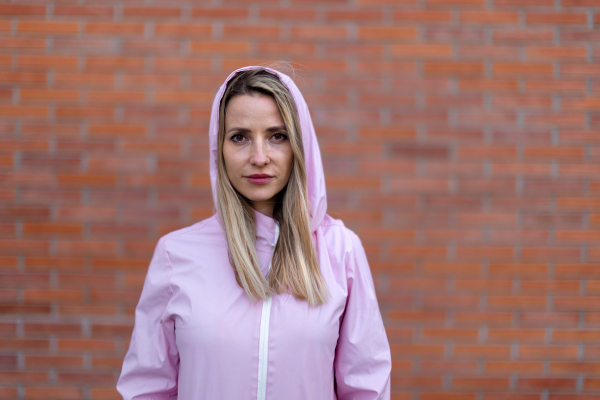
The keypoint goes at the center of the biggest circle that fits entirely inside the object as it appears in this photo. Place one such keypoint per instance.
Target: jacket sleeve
(363, 361)
(151, 366)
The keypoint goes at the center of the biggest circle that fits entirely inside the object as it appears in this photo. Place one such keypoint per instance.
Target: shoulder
(338, 236)
(207, 231)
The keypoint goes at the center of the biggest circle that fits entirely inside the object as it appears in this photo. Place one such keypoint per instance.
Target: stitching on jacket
(170, 276)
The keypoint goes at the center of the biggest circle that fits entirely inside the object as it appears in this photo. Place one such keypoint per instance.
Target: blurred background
(461, 141)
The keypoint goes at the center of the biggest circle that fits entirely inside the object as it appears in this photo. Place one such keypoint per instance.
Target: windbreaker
(198, 336)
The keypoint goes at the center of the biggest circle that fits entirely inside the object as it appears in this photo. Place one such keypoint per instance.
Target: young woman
(270, 298)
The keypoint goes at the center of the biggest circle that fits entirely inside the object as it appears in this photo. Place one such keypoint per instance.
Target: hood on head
(317, 196)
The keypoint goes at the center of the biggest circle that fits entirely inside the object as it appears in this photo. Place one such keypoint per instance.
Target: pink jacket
(198, 336)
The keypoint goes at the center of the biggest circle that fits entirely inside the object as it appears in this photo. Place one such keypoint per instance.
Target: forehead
(252, 109)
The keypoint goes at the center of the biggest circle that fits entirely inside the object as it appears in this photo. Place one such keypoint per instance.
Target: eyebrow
(245, 130)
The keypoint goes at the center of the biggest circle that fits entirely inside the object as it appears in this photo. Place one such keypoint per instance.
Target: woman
(271, 297)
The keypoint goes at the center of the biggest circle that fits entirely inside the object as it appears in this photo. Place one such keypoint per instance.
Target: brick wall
(461, 140)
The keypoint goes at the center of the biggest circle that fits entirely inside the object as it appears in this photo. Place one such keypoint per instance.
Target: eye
(279, 136)
(238, 137)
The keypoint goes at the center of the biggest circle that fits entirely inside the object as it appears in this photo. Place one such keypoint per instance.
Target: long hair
(294, 266)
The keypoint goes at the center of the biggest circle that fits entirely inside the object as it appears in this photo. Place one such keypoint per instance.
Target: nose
(260, 156)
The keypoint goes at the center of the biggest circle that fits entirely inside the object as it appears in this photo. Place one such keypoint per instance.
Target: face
(256, 149)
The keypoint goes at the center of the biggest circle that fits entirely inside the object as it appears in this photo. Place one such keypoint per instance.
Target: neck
(265, 208)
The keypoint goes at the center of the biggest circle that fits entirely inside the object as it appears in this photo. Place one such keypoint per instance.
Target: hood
(317, 196)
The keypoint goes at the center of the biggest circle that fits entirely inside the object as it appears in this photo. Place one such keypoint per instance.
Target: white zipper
(263, 341)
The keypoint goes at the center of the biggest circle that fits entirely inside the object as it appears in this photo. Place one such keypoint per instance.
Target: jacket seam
(170, 277)
(202, 224)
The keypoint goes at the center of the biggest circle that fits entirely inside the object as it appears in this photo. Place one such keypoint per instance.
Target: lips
(259, 178)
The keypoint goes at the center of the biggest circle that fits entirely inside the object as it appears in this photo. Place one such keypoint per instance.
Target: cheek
(290, 160)
(232, 161)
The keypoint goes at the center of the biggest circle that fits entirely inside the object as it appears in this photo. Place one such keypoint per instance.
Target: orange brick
(491, 352)
(46, 392)
(61, 296)
(47, 27)
(76, 10)
(251, 31)
(436, 51)
(490, 17)
(52, 229)
(480, 383)
(554, 152)
(33, 94)
(558, 18)
(151, 12)
(222, 12)
(37, 361)
(423, 15)
(23, 111)
(447, 396)
(590, 102)
(387, 33)
(22, 9)
(354, 15)
(456, 2)
(86, 179)
(61, 62)
(22, 43)
(557, 52)
(317, 32)
(283, 13)
(182, 29)
(509, 367)
(220, 47)
(84, 345)
(114, 28)
(115, 97)
(522, 69)
(453, 68)
(554, 384)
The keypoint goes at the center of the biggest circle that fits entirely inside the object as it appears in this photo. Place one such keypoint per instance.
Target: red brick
(558, 18)
(32, 94)
(223, 12)
(546, 384)
(579, 70)
(22, 43)
(22, 9)
(114, 28)
(48, 27)
(423, 15)
(447, 396)
(487, 17)
(354, 15)
(522, 69)
(90, 11)
(510, 367)
(46, 392)
(115, 97)
(182, 29)
(491, 352)
(557, 52)
(282, 14)
(52, 229)
(314, 32)
(220, 47)
(156, 12)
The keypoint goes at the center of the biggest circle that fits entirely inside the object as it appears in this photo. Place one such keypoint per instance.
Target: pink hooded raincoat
(198, 336)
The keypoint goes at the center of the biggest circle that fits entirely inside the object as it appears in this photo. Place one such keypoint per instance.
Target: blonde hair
(294, 266)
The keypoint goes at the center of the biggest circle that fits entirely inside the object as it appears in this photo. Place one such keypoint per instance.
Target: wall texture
(461, 140)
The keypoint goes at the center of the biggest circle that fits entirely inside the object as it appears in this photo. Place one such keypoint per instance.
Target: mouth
(259, 178)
